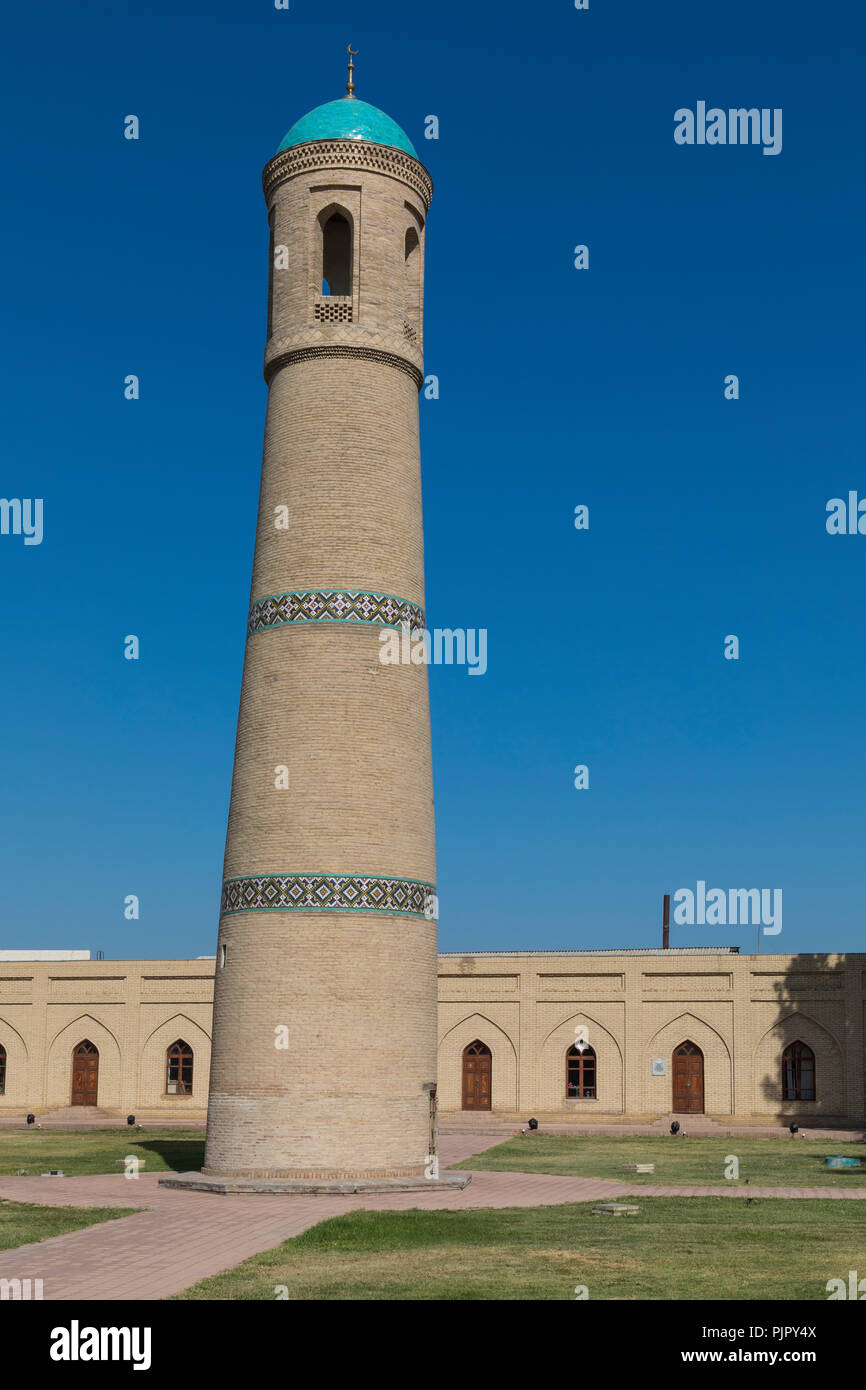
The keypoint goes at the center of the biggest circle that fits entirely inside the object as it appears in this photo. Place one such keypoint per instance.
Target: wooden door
(688, 1071)
(476, 1076)
(85, 1074)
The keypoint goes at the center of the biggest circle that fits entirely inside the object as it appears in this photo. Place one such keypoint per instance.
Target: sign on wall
(659, 1067)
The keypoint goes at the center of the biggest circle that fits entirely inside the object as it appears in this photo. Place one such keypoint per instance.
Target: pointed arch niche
(85, 1028)
(689, 1027)
(477, 1028)
(607, 1082)
(16, 1090)
(334, 260)
(828, 1073)
(153, 1075)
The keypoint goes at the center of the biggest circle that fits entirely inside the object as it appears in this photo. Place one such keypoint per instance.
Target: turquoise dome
(347, 118)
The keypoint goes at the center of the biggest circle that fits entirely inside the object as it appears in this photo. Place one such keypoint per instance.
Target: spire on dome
(350, 85)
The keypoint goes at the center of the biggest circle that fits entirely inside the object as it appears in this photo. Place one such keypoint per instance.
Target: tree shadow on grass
(178, 1155)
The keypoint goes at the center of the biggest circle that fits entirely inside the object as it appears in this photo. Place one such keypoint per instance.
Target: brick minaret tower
(324, 1049)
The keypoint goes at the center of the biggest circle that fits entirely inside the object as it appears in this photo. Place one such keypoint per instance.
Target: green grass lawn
(95, 1150)
(22, 1223)
(767, 1162)
(674, 1248)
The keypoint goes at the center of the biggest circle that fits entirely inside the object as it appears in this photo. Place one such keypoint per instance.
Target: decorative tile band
(333, 606)
(328, 893)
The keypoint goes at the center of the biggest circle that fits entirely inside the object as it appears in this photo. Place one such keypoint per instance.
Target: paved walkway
(91, 1117)
(698, 1126)
(460, 1122)
(182, 1237)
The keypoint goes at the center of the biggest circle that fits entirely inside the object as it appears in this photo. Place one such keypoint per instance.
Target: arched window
(271, 219)
(580, 1073)
(2, 1069)
(798, 1072)
(412, 272)
(178, 1069)
(336, 255)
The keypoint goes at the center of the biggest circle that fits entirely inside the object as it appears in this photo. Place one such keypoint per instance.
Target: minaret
(324, 1048)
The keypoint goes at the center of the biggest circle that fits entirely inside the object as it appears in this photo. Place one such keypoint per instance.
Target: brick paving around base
(182, 1237)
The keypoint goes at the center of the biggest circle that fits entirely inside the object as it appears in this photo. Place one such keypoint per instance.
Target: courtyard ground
(179, 1239)
(672, 1249)
(792, 1162)
(25, 1222)
(76, 1152)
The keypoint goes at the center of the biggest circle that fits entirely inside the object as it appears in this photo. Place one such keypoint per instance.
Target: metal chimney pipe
(666, 924)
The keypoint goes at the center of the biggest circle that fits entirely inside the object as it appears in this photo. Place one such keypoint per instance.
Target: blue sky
(557, 387)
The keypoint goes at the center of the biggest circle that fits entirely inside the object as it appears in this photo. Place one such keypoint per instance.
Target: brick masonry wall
(355, 992)
(134, 1010)
(741, 1011)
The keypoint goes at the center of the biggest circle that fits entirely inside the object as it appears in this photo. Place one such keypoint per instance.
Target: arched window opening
(271, 221)
(412, 253)
(412, 274)
(178, 1069)
(580, 1073)
(336, 256)
(798, 1072)
(2, 1069)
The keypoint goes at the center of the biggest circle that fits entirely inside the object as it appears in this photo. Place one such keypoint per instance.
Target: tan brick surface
(356, 991)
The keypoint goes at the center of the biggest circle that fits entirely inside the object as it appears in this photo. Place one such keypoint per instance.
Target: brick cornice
(306, 354)
(346, 154)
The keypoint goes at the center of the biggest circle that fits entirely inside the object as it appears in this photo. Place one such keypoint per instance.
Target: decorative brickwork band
(306, 354)
(346, 154)
(333, 606)
(327, 893)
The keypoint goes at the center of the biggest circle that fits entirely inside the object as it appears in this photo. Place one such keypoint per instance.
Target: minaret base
(202, 1182)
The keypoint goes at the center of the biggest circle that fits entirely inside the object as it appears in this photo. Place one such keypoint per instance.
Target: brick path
(91, 1117)
(183, 1237)
(698, 1126)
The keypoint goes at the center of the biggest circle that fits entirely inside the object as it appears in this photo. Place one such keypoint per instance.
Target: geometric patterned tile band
(328, 893)
(333, 606)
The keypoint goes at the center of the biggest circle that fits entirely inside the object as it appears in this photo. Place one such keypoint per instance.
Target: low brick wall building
(130, 1012)
(588, 1035)
(688, 1031)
